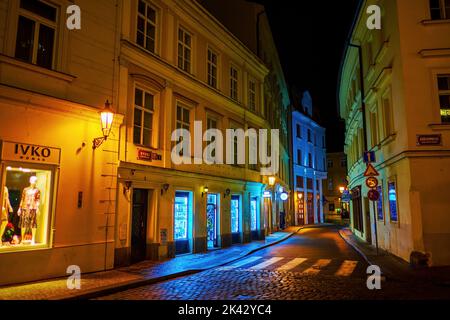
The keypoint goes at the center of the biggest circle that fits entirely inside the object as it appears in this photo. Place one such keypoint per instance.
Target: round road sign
(372, 182)
(373, 195)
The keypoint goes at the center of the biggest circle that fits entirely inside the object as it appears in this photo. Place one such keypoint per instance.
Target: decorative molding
(433, 53)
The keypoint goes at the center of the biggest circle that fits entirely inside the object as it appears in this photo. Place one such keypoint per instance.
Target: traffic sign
(373, 195)
(371, 182)
(370, 171)
(369, 156)
(346, 196)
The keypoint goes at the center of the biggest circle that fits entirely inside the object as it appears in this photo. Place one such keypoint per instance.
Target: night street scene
(255, 152)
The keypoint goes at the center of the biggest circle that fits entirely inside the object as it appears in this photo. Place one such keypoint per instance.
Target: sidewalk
(394, 268)
(144, 273)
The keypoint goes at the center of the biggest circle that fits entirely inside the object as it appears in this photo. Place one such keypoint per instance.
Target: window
(380, 215)
(26, 213)
(323, 142)
(330, 164)
(310, 161)
(36, 29)
(392, 196)
(299, 182)
(252, 95)
(299, 157)
(309, 183)
(254, 213)
(182, 121)
(309, 135)
(184, 50)
(444, 97)
(387, 116)
(233, 83)
(143, 117)
(235, 209)
(212, 68)
(146, 26)
(343, 162)
(330, 184)
(373, 128)
(211, 124)
(440, 9)
(299, 131)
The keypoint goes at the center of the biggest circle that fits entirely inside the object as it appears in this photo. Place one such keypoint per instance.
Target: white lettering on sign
(14, 151)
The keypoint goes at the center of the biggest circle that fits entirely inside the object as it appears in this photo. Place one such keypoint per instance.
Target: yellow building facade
(53, 83)
(406, 95)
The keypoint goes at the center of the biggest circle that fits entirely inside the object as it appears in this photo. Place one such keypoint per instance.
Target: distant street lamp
(106, 118)
(341, 189)
(271, 181)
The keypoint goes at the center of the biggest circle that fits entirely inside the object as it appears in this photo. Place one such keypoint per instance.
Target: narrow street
(316, 263)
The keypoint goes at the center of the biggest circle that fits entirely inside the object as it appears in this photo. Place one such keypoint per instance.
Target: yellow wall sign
(22, 152)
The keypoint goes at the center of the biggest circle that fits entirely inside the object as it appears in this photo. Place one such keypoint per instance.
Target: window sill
(37, 69)
(439, 126)
(428, 22)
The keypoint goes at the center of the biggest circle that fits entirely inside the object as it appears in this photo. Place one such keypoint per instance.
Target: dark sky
(310, 36)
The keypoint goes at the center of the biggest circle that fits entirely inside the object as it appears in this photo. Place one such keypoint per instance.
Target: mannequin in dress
(6, 207)
(29, 209)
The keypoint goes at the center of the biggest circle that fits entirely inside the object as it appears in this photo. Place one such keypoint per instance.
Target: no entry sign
(373, 195)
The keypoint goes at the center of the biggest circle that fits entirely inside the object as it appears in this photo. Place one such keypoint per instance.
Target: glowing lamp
(271, 181)
(106, 119)
(341, 189)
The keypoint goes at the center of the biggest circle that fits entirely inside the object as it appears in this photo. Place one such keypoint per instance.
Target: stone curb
(94, 293)
(355, 247)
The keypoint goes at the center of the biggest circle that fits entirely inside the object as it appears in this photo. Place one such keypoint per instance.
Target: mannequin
(29, 209)
(6, 207)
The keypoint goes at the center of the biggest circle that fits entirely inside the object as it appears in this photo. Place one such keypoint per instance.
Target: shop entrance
(183, 222)
(301, 210)
(139, 225)
(310, 208)
(212, 220)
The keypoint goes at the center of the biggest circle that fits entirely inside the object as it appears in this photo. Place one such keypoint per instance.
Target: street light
(272, 181)
(106, 118)
(341, 189)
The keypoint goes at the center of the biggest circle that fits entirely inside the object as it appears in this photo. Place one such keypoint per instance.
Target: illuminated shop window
(181, 215)
(254, 214)
(444, 97)
(26, 210)
(392, 194)
(235, 207)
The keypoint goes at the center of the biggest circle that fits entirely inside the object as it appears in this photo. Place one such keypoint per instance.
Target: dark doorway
(139, 225)
(310, 208)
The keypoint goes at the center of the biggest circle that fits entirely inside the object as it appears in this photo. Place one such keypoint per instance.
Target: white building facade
(309, 155)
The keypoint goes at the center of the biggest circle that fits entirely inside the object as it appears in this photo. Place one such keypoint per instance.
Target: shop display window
(26, 213)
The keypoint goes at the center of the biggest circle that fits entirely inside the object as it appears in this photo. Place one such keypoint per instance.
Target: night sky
(310, 36)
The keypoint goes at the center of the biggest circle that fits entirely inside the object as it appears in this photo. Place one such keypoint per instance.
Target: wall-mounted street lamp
(164, 188)
(341, 189)
(272, 181)
(107, 118)
(205, 190)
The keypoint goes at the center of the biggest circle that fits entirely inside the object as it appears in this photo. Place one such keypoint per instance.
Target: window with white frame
(212, 68)
(146, 26)
(143, 117)
(36, 33)
(184, 50)
(211, 123)
(440, 9)
(387, 115)
(252, 95)
(444, 97)
(234, 83)
(183, 120)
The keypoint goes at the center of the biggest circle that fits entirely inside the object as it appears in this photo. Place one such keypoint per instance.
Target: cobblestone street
(314, 264)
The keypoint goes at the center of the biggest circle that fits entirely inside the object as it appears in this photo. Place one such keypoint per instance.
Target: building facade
(58, 193)
(250, 23)
(334, 209)
(309, 170)
(404, 120)
(67, 203)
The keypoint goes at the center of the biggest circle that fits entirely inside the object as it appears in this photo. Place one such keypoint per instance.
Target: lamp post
(106, 118)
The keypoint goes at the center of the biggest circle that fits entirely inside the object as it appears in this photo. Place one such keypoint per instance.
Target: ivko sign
(22, 152)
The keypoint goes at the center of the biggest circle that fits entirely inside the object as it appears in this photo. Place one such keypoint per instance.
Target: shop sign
(267, 194)
(22, 152)
(429, 139)
(146, 155)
